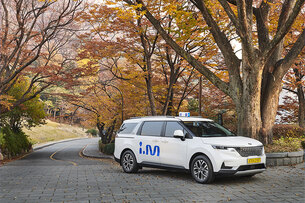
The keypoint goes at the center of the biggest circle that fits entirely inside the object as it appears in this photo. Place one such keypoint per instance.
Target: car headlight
(219, 147)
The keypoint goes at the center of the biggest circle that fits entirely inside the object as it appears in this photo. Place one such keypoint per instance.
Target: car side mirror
(179, 134)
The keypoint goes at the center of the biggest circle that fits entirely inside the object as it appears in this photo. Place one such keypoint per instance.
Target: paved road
(57, 173)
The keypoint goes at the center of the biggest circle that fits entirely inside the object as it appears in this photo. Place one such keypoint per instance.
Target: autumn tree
(102, 103)
(31, 33)
(255, 79)
(123, 41)
(293, 108)
(28, 114)
(294, 80)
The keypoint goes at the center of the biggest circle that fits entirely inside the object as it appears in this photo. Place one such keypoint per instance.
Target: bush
(288, 144)
(303, 144)
(92, 131)
(13, 143)
(106, 148)
(285, 130)
(109, 149)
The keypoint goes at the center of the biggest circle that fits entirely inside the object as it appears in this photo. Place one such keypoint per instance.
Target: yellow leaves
(136, 7)
(6, 101)
(273, 3)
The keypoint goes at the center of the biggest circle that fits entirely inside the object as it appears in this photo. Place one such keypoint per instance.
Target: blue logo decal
(149, 150)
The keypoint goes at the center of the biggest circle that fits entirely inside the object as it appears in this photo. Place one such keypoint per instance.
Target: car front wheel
(129, 162)
(202, 170)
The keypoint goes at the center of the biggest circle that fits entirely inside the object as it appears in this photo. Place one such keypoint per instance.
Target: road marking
(80, 153)
(51, 157)
(85, 157)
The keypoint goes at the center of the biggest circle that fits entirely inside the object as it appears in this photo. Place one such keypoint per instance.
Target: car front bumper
(244, 170)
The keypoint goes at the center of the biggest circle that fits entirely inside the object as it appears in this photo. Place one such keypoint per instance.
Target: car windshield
(207, 129)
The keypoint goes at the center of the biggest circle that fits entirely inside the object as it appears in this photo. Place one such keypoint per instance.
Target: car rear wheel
(129, 162)
(202, 169)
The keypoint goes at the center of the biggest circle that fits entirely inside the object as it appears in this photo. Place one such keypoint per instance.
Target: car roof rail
(152, 117)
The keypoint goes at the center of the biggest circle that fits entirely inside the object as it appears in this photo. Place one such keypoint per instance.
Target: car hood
(236, 141)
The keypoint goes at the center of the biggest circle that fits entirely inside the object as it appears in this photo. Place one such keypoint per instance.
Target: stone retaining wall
(284, 158)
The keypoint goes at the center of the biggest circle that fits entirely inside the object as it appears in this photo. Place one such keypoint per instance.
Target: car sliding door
(149, 142)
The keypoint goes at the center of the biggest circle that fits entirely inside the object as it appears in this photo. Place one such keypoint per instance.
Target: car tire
(129, 162)
(202, 170)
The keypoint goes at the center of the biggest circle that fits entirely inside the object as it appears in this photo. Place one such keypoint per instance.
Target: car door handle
(155, 140)
(164, 141)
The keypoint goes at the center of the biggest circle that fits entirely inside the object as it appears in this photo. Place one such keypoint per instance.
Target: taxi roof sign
(184, 114)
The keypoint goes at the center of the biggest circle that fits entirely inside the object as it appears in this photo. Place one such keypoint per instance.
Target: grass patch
(53, 131)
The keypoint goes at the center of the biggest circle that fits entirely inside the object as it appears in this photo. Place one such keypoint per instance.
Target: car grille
(249, 151)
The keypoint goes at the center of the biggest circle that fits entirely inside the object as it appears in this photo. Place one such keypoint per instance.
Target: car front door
(174, 150)
(149, 142)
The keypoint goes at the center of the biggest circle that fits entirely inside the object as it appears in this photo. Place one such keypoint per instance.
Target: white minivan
(194, 144)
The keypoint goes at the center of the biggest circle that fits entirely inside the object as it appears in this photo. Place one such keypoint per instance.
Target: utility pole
(200, 94)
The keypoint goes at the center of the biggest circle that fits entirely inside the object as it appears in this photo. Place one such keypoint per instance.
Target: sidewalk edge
(83, 153)
(56, 142)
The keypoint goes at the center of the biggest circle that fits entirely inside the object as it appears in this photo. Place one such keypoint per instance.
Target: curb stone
(295, 154)
(284, 158)
(99, 156)
(56, 142)
(277, 155)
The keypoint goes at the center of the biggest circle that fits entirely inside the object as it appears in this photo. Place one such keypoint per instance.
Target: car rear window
(127, 128)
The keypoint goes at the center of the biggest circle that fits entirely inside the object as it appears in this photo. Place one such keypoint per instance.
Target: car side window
(127, 128)
(152, 128)
(171, 127)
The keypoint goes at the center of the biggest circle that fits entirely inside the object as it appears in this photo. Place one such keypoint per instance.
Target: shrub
(284, 130)
(109, 149)
(13, 143)
(2, 140)
(106, 148)
(303, 144)
(288, 144)
(92, 131)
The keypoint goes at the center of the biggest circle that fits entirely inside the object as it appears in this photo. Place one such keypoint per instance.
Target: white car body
(234, 155)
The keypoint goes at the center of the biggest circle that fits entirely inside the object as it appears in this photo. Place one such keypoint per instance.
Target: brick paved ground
(70, 178)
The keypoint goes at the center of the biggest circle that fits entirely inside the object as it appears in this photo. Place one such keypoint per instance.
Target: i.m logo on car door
(149, 150)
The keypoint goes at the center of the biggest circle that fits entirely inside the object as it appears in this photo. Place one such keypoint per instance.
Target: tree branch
(283, 30)
(188, 57)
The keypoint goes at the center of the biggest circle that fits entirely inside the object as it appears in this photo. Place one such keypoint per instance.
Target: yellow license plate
(254, 160)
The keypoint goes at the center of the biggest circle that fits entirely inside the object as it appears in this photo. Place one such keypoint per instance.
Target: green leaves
(28, 114)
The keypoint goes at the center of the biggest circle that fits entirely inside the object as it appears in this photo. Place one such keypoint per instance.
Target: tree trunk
(109, 132)
(269, 106)
(148, 80)
(249, 118)
(301, 115)
(168, 100)
(300, 94)
(54, 114)
(100, 126)
(150, 95)
(248, 105)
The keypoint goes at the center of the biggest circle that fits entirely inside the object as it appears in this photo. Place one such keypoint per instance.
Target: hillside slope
(53, 131)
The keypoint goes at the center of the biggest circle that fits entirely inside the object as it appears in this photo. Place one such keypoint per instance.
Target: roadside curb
(284, 158)
(56, 142)
(99, 156)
